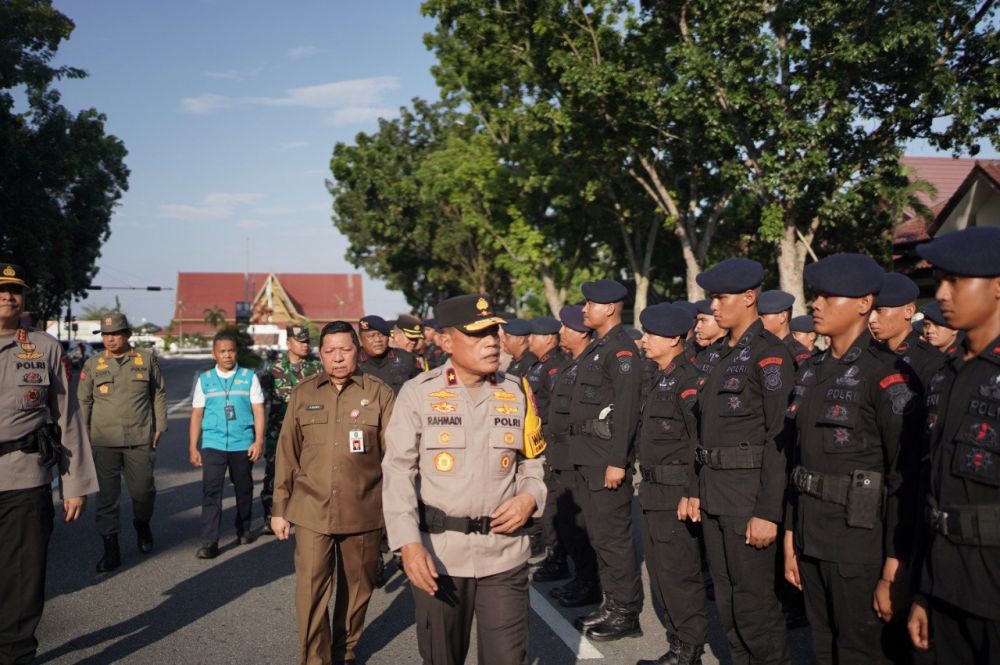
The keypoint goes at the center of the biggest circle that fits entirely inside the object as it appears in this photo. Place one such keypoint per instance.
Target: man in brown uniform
(328, 484)
(462, 476)
(34, 391)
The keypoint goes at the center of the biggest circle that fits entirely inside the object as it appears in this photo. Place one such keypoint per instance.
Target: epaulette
(424, 377)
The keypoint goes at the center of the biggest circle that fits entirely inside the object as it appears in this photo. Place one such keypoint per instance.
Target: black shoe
(570, 587)
(552, 569)
(267, 530)
(144, 535)
(584, 594)
(245, 538)
(208, 551)
(581, 623)
(537, 545)
(621, 621)
(380, 578)
(112, 554)
(680, 653)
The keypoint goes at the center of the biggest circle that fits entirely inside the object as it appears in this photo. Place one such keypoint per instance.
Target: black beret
(802, 324)
(517, 327)
(666, 320)
(918, 325)
(604, 291)
(774, 302)
(846, 275)
(572, 317)
(973, 252)
(431, 323)
(373, 322)
(688, 307)
(732, 276)
(897, 290)
(932, 312)
(704, 306)
(635, 334)
(545, 325)
(469, 313)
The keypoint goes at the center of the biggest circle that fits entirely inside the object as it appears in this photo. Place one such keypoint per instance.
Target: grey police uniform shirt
(34, 390)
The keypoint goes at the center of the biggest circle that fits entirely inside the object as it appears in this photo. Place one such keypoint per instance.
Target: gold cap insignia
(9, 271)
(482, 304)
(108, 321)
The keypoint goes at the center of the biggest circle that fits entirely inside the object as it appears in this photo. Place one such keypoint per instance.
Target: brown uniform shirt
(123, 403)
(459, 451)
(319, 482)
(34, 390)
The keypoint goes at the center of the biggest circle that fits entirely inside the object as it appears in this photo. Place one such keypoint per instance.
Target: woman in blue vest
(227, 415)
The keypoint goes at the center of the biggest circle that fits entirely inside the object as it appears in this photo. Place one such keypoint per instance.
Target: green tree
(215, 316)
(60, 173)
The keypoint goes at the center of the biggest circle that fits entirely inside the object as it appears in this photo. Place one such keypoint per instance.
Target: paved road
(169, 607)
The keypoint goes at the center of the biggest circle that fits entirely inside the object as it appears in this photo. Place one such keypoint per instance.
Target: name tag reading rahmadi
(356, 441)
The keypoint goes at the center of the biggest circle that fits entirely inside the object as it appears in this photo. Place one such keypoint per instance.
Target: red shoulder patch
(803, 356)
(554, 370)
(623, 354)
(690, 392)
(892, 380)
(771, 361)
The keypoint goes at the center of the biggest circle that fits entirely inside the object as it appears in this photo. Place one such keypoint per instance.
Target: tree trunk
(641, 296)
(692, 266)
(553, 295)
(792, 254)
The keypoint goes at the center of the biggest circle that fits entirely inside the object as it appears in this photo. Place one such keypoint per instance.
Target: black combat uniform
(743, 474)
(853, 416)
(921, 356)
(395, 367)
(520, 366)
(798, 350)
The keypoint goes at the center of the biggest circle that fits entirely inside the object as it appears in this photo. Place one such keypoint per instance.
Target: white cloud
(301, 52)
(216, 206)
(252, 224)
(352, 100)
(292, 145)
(353, 115)
(234, 74)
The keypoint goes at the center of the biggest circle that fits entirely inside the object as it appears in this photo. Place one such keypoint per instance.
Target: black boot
(267, 531)
(144, 535)
(622, 620)
(112, 554)
(563, 589)
(551, 569)
(582, 623)
(680, 653)
(587, 593)
(537, 545)
(380, 578)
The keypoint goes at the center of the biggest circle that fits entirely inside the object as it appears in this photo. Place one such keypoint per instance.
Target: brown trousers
(322, 561)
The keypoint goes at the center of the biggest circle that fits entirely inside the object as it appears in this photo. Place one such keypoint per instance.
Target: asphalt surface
(169, 607)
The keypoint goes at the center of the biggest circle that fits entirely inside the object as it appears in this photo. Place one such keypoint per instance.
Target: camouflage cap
(298, 332)
(114, 322)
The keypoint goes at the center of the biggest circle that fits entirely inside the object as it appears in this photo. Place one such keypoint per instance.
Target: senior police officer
(957, 614)
(775, 309)
(124, 406)
(603, 417)
(516, 338)
(277, 384)
(743, 468)
(40, 429)
(328, 484)
(890, 324)
(563, 505)
(854, 413)
(462, 475)
(668, 437)
(408, 335)
(395, 366)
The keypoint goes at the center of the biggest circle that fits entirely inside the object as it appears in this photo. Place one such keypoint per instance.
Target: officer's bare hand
(156, 439)
(694, 509)
(419, 567)
(195, 458)
(682, 509)
(613, 477)
(919, 624)
(280, 526)
(761, 533)
(890, 591)
(255, 451)
(512, 514)
(792, 562)
(73, 508)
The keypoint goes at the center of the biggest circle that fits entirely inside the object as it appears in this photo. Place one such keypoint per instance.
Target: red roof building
(276, 299)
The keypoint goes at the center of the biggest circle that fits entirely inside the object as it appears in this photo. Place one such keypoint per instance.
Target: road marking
(576, 642)
(177, 407)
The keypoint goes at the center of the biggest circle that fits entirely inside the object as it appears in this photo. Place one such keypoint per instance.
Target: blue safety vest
(218, 431)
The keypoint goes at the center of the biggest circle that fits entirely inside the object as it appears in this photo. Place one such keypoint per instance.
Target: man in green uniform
(278, 383)
(124, 407)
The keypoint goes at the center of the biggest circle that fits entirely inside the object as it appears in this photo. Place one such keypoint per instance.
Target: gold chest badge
(103, 389)
(506, 461)
(505, 409)
(503, 395)
(444, 407)
(444, 462)
(442, 394)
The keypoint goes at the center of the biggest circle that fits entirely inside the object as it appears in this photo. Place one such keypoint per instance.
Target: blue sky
(229, 111)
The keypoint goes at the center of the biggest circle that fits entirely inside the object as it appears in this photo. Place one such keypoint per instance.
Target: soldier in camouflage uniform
(278, 383)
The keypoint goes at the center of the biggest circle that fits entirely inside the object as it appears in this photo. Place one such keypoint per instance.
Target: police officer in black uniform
(743, 468)
(775, 309)
(804, 331)
(517, 334)
(849, 522)
(394, 366)
(890, 324)
(707, 334)
(564, 503)
(938, 333)
(604, 416)
(957, 613)
(668, 437)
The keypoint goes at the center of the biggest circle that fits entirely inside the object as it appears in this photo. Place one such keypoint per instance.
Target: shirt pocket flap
(501, 437)
(102, 378)
(34, 377)
(140, 375)
(310, 418)
(443, 437)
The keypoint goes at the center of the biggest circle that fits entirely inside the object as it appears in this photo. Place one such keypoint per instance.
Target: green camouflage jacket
(277, 384)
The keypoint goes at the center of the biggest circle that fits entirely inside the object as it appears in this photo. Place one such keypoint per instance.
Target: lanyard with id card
(226, 387)
(356, 437)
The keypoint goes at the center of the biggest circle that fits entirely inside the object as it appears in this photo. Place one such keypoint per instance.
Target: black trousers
(137, 464)
(845, 628)
(214, 464)
(25, 527)
(960, 638)
(500, 605)
(608, 514)
(549, 520)
(749, 610)
(267, 490)
(572, 526)
(673, 558)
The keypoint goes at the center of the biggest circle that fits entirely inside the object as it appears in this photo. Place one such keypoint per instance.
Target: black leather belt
(665, 474)
(743, 455)
(824, 487)
(28, 444)
(966, 525)
(434, 520)
(586, 428)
